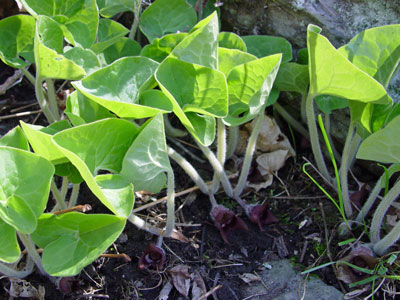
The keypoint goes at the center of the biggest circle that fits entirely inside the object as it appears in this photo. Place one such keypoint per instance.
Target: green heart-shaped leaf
(118, 86)
(146, 161)
(109, 32)
(167, 16)
(85, 58)
(331, 73)
(23, 190)
(230, 58)
(264, 45)
(160, 48)
(376, 51)
(48, 46)
(16, 43)
(97, 146)
(15, 138)
(109, 8)
(249, 86)
(328, 103)
(231, 40)
(292, 77)
(124, 47)
(194, 90)
(78, 19)
(9, 247)
(73, 240)
(200, 46)
(40, 139)
(81, 109)
(384, 145)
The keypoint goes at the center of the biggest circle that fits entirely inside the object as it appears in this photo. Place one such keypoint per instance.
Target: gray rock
(340, 19)
(283, 283)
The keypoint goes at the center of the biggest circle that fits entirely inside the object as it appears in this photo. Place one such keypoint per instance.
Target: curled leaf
(226, 221)
(261, 215)
(360, 256)
(153, 256)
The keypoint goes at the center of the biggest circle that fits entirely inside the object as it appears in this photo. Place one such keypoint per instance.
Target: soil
(294, 199)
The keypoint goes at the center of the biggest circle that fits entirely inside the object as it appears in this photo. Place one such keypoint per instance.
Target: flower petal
(226, 221)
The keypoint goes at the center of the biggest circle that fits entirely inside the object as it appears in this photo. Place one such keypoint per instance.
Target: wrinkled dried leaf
(270, 137)
(165, 291)
(262, 185)
(177, 235)
(249, 277)
(183, 281)
(199, 287)
(24, 289)
(269, 163)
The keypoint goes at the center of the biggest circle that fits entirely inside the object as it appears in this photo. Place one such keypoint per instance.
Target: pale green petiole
(314, 140)
(218, 169)
(221, 153)
(233, 137)
(31, 250)
(170, 204)
(58, 196)
(251, 145)
(189, 169)
(11, 272)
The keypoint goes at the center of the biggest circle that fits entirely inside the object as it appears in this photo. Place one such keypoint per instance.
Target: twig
(303, 251)
(10, 81)
(22, 114)
(94, 296)
(215, 284)
(255, 295)
(170, 250)
(80, 208)
(181, 193)
(123, 256)
(298, 197)
(14, 110)
(213, 290)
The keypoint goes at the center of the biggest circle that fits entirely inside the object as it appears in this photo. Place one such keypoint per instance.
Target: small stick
(14, 110)
(303, 251)
(22, 114)
(181, 193)
(123, 256)
(80, 208)
(213, 290)
(10, 81)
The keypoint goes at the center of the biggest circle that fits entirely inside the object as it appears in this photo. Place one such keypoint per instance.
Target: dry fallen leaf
(24, 289)
(269, 163)
(183, 281)
(249, 277)
(272, 150)
(270, 137)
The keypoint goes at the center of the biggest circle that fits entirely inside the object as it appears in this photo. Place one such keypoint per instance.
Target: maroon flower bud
(153, 257)
(261, 215)
(68, 285)
(226, 221)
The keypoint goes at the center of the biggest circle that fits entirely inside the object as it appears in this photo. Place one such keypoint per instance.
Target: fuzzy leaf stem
(251, 145)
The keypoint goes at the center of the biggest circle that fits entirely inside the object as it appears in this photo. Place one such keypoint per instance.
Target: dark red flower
(68, 285)
(153, 257)
(261, 215)
(226, 221)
